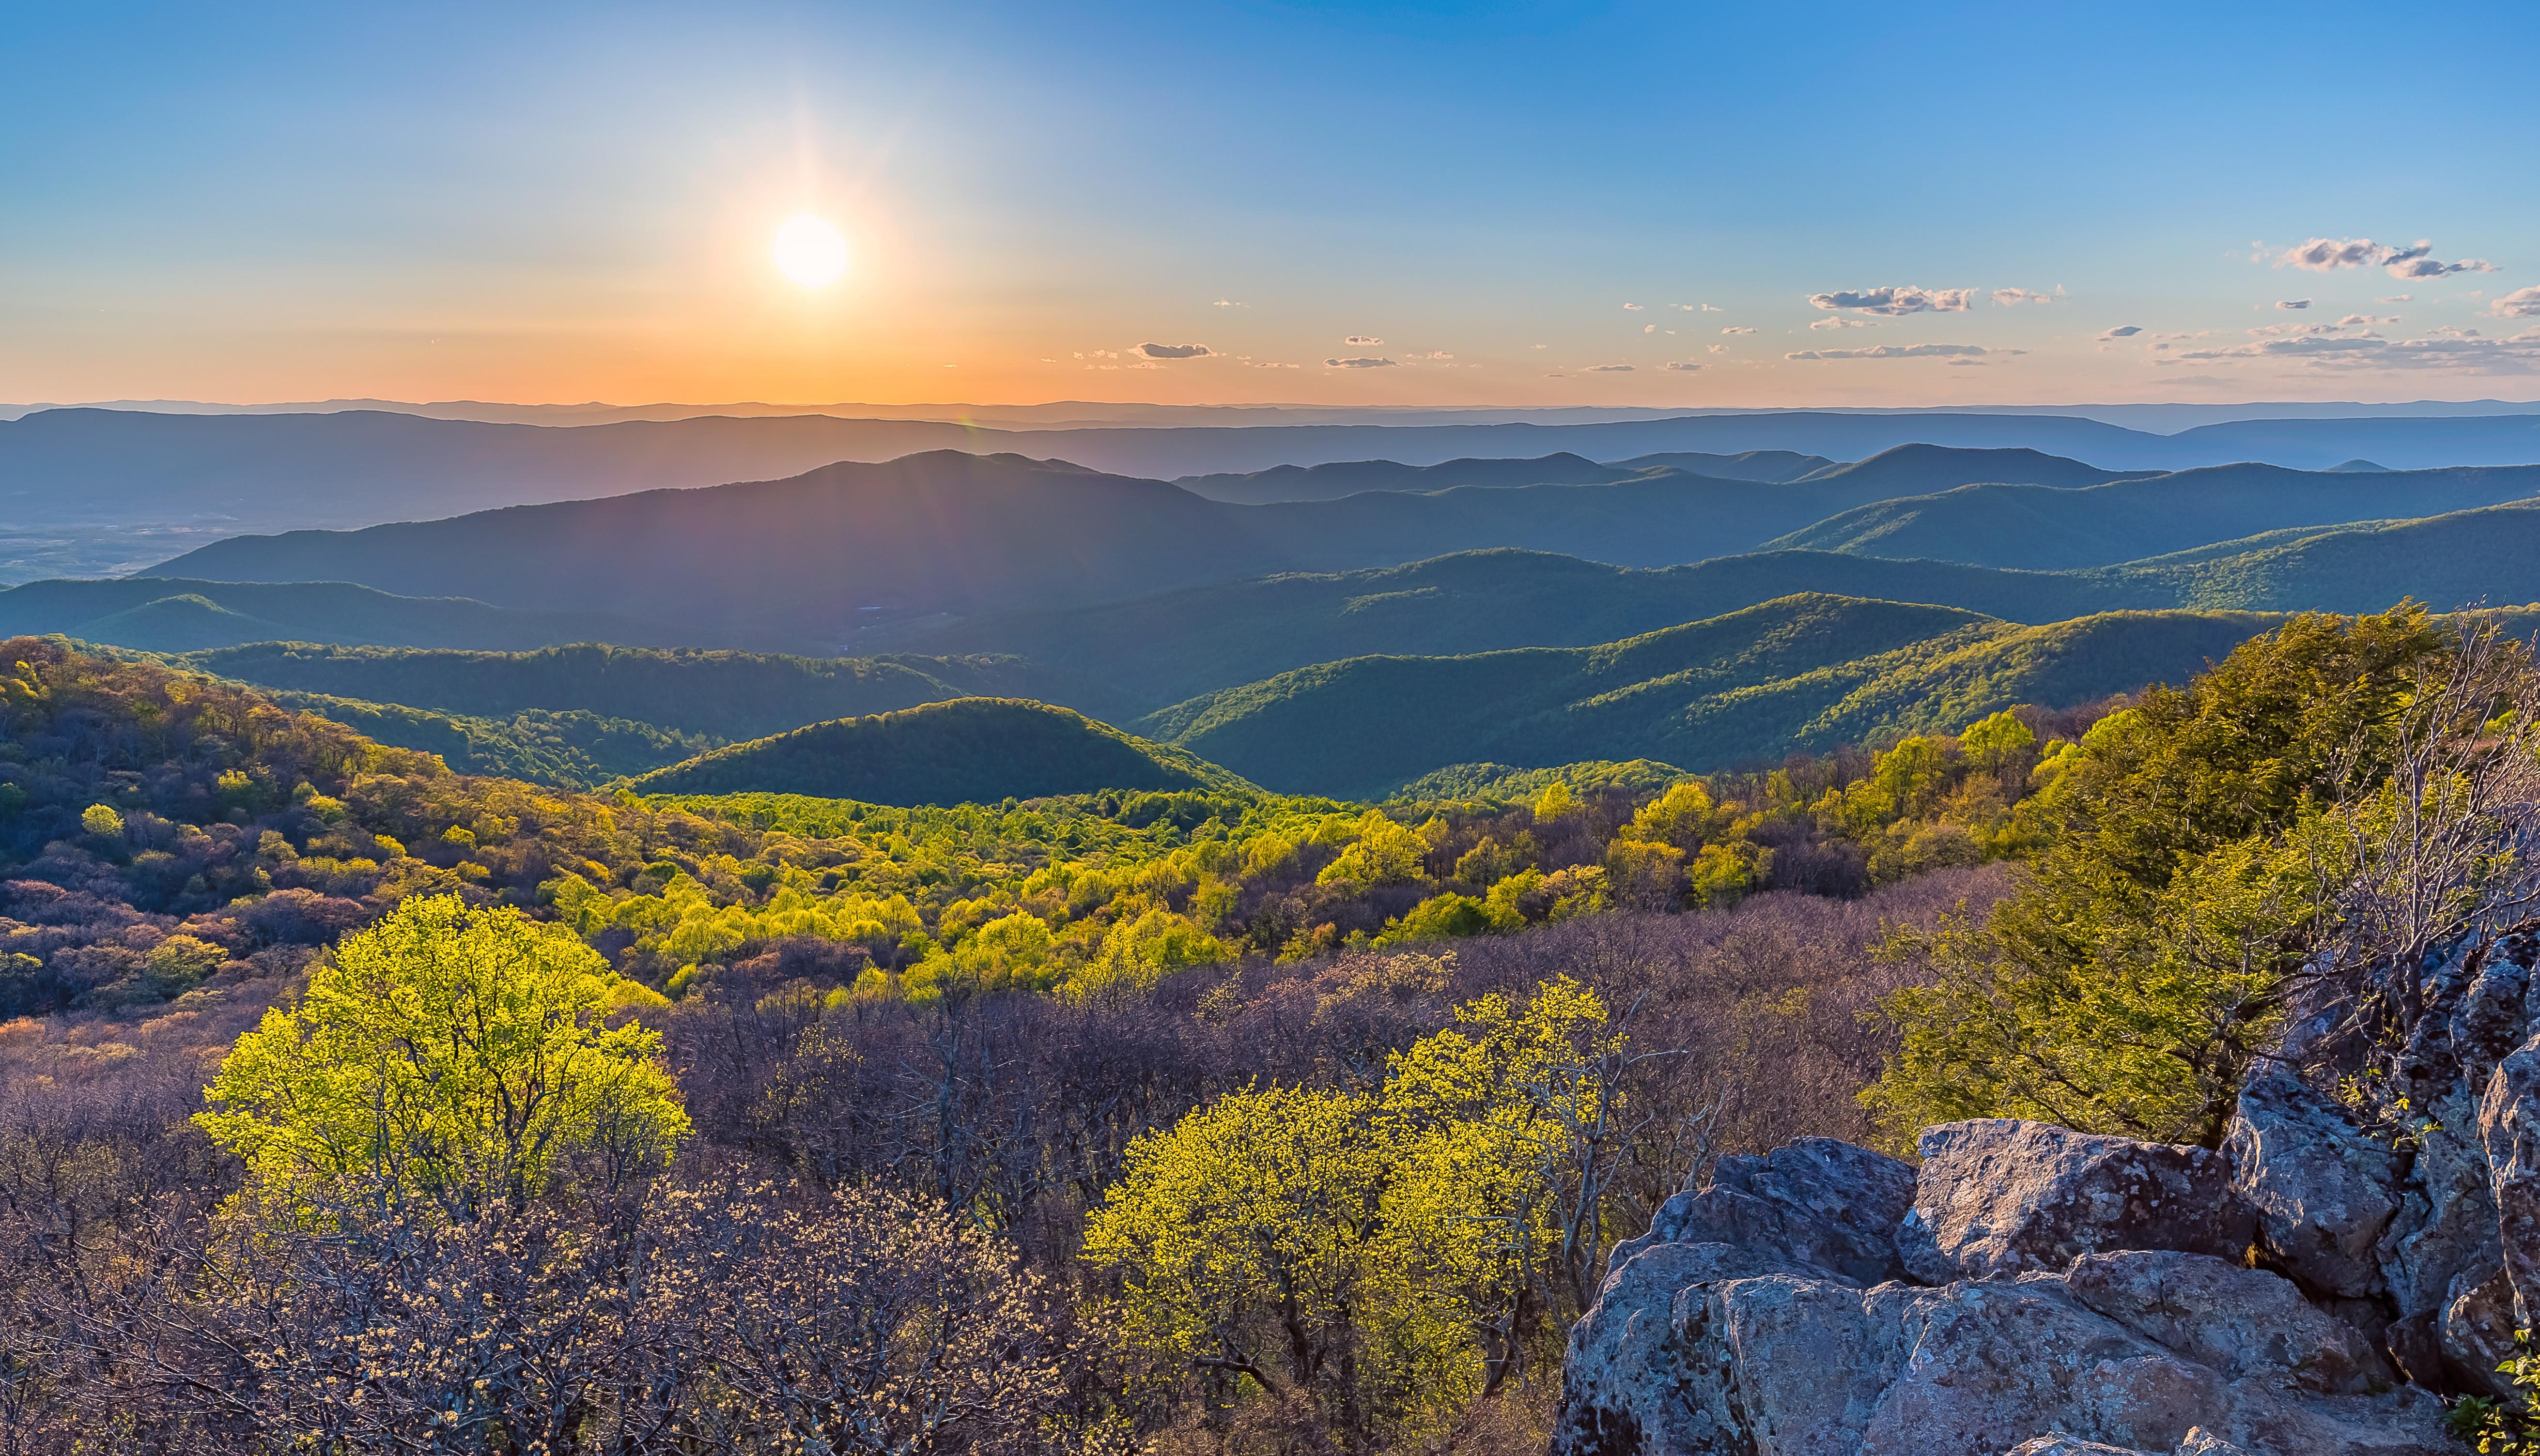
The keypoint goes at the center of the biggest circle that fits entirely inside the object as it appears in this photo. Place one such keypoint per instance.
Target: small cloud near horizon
(2010, 296)
(1175, 351)
(2293, 302)
(1679, 367)
(1363, 342)
(1635, 307)
(1358, 363)
(1609, 369)
(1897, 299)
(2522, 302)
(2121, 331)
(1905, 351)
(1735, 330)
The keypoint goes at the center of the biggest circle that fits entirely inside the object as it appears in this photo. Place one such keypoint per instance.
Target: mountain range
(110, 474)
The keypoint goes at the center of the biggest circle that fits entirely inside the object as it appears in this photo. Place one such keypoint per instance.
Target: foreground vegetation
(1207, 1121)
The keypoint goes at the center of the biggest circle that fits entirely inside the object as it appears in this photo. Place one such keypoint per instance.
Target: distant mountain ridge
(1347, 478)
(817, 554)
(2033, 527)
(176, 616)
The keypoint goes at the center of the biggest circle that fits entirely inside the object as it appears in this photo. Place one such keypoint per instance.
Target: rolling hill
(971, 750)
(175, 615)
(725, 696)
(2038, 528)
(1803, 672)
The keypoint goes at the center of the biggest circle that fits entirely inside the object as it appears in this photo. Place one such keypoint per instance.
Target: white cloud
(2293, 302)
(2398, 298)
(1650, 328)
(1897, 300)
(1226, 304)
(1358, 363)
(1904, 351)
(1432, 354)
(1735, 330)
(1363, 342)
(1716, 348)
(1175, 351)
(1609, 369)
(1635, 307)
(2366, 321)
(2522, 302)
(2448, 349)
(1679, 367)
(2121, 331)
(1842, 323)
(1266, 364)
(2010, 296)
(2328, 254)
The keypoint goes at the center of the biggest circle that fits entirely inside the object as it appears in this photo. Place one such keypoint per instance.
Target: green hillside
(573, 749)
(1177, 644)
(726, 696)
(2039, 529)
(1500, 783)
(1803, 672)
(174, 615)
(972, 750)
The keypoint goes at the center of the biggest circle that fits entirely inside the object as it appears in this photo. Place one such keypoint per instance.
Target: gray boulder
(2321, 1190)
(2246, 1324)
(1828, 1204)
(1782, 1364)
(2000, 1195)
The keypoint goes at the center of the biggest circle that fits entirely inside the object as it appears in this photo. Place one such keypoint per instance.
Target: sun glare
(809, 251)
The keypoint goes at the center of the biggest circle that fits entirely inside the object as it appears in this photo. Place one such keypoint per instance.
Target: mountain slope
(1801, 671)
(162, 614)
(564, 751)
(971, 750)
(1171, 645)
(723, 695)
(2038, 528)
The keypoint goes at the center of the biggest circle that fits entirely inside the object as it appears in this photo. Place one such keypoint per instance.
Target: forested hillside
(1803, 672)
(969, 750)
(725, 695)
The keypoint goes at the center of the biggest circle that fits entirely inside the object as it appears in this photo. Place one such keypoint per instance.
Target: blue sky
(565, 202)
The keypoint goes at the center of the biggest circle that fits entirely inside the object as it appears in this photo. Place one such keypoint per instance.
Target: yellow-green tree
(455, 1055)
(1388, 1256)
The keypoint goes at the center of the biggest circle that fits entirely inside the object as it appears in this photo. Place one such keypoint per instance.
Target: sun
(809, 251)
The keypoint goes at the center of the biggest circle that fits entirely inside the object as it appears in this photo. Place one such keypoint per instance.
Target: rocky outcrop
(2092, 1291)
(2319, 1286)
(2004, 1197)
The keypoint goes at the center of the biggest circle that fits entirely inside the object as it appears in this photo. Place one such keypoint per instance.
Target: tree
(1387, 1256)
(2147, 965)
(454, 1056)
